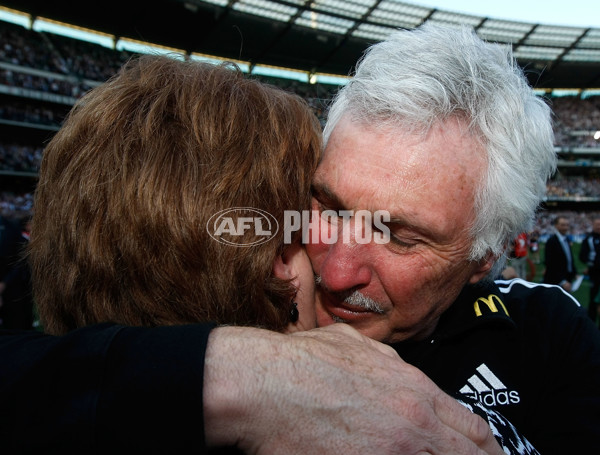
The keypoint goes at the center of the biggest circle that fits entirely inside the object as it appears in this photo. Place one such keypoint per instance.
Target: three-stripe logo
(487, 388)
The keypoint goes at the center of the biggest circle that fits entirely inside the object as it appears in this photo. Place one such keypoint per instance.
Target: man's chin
(369, 324)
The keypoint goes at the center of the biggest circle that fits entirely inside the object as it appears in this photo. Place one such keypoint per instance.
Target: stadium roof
(322, 36)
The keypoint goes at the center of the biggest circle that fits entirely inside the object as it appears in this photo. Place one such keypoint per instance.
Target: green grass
(583, 293)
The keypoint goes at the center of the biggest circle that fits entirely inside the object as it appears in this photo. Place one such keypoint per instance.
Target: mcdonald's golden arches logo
(492, 301)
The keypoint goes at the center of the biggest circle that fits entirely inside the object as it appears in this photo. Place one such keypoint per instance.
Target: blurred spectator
(559, 260)
(590, 256)
(517, 257)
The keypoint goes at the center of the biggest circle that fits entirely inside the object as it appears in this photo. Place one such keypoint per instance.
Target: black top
(557, 263)
(526, 350)
(589, 253)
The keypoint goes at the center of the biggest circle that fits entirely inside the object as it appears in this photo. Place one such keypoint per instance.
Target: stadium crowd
(576, 118)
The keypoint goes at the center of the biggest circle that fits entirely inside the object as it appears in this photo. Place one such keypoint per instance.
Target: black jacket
(527, 350)
(556, 263)
(589, 254)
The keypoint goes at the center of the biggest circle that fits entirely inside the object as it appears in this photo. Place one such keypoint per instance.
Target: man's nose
(347, 264)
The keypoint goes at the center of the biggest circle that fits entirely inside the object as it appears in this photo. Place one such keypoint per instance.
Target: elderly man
(442, 130)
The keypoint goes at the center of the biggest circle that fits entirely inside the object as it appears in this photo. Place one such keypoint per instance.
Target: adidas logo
(485, 387)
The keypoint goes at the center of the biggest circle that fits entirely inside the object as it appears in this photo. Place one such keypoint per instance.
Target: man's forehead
(358, 149)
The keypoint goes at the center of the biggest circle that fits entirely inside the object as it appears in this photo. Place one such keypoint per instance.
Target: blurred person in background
(517, 257)
(589, 254)
(558, 257)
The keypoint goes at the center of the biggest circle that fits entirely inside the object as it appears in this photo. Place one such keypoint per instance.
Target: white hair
(423, 76)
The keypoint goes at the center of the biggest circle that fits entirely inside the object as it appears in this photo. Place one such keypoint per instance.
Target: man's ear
(283, 264)
(483, 267)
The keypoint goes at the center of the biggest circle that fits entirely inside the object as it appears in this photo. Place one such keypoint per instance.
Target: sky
(581, 13)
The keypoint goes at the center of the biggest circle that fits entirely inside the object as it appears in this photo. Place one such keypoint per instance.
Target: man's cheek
(316, 251)
(321, 231)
